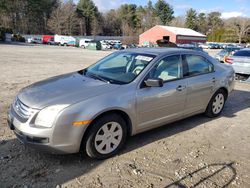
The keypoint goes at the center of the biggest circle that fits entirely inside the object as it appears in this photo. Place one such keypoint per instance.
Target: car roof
(158, 51)
(246, 49)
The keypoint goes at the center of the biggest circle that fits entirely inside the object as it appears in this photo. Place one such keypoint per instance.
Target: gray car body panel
(146, 107)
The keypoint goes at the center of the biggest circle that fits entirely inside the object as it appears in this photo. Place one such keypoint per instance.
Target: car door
(200, 76)
(159, 105)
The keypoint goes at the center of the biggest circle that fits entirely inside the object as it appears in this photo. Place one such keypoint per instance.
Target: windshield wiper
(95, 76)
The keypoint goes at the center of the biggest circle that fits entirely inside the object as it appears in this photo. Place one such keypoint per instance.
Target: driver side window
(169, 68)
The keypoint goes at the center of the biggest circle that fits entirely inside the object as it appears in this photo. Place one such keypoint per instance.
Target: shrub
(18, 38)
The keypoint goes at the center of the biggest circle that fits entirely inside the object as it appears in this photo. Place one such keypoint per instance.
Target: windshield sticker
(143, 58)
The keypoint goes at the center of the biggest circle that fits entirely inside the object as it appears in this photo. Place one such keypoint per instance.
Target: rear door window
(196, 65)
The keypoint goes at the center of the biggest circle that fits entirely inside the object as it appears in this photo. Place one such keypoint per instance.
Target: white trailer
(64, 40)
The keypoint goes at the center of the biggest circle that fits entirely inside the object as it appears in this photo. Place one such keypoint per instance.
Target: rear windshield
(245, 53)
(223, 52)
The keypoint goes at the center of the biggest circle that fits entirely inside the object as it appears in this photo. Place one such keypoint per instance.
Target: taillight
(228, 60)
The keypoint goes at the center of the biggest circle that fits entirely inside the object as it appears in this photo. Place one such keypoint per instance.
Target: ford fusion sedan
(128, 92)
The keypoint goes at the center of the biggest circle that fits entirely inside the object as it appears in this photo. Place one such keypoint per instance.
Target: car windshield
(120, 67)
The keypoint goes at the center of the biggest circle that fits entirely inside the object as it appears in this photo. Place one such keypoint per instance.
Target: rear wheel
(106, 136)
(216, 104)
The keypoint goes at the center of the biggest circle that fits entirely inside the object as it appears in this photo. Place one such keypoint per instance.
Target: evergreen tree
(88, 11)
(164, 11)
(202, 23)
(191, 19)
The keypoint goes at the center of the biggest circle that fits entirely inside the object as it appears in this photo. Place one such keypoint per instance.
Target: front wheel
(216, 104)
(106, 136)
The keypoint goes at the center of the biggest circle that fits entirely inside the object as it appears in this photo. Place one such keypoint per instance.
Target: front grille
(21, 109)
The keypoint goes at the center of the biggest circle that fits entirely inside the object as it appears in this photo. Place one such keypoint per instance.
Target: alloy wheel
(218, 103)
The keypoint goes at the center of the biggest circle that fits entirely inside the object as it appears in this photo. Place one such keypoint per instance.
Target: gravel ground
(195, 152)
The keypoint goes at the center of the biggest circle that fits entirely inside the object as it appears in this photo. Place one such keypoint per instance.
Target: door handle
(180, 88)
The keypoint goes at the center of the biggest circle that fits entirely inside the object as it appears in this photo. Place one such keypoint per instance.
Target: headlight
(46, 116)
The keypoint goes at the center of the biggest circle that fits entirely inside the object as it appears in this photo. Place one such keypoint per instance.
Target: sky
(228, 8)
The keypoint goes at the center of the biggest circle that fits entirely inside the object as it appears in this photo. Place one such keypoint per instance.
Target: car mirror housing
(154, 82)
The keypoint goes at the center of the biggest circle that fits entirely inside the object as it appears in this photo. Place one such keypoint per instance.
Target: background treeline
(84, 18)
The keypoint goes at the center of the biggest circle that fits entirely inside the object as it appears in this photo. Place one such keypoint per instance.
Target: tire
(101, 133)
(216, 104)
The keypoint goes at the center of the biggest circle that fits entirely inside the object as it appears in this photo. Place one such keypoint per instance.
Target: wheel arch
(121, 113)
(225, 90)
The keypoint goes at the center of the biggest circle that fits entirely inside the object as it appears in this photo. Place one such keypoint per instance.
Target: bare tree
(64, 19)
(240, 26)
(178, 21)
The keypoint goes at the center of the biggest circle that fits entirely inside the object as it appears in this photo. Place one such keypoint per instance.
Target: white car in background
(83, 43)
(204, 46)
(105, 45)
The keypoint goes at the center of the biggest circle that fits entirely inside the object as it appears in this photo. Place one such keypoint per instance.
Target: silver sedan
(128, 92)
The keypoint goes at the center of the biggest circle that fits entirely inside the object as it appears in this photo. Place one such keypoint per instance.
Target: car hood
(65, 89)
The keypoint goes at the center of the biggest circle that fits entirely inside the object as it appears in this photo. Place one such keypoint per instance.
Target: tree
(64, 19)
(112, 23)
(129, 19)
(2, 5)
(202, 23)
(214, 21)
(150, 17)
(56, 20)
(240, 27)
(38, 13)
(178, 21)
(26, 16)
(164, 11)
(128, 14)
(88, 11)
(191, 19)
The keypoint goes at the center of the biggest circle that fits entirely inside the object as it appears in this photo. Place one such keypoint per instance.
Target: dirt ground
(195, 152)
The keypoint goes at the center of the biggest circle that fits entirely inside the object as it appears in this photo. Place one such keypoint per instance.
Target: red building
(176, 35)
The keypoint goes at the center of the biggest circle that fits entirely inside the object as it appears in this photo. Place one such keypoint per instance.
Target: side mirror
(154, 82)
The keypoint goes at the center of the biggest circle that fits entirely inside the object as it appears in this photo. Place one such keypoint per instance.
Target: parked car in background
(83, 43)
(225, 53)
(213, 46)
(204, 46)
(51, 41)
(35, 40)
(118, 46)
(240, 61)
(105, 45)
(230, 46)
(128, 92)
(131, 46)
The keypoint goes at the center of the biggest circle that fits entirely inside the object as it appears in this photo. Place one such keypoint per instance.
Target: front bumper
(51, 140)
